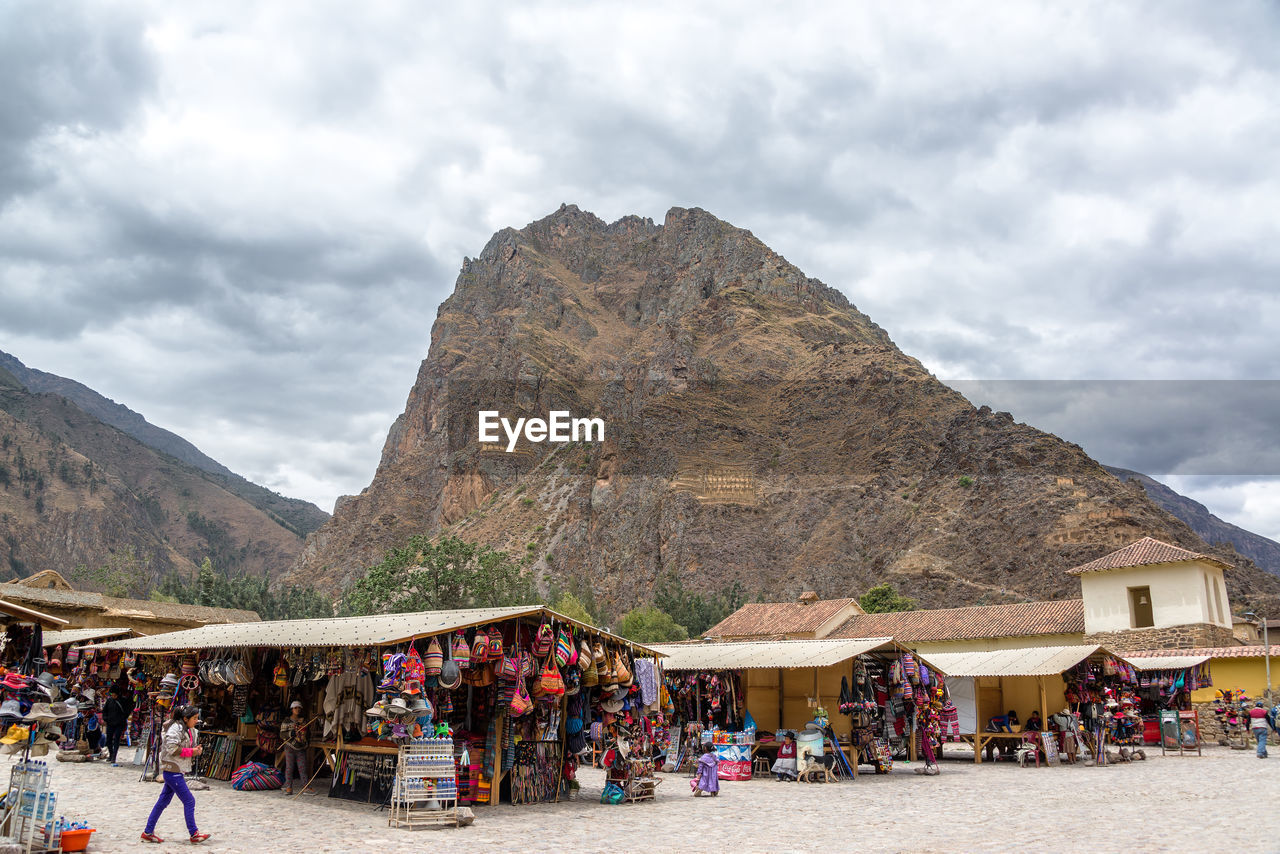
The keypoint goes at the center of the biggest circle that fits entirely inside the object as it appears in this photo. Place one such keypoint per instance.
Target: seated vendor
(1034, 724)
(786, 767)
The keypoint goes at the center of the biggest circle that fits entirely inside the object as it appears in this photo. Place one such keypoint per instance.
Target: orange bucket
(76, 840)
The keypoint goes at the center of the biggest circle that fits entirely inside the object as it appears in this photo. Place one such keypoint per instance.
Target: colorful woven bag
(495, 643)
(543, 640)
(434, 658)
(480, 647)
(566, 652)
(521, 703)
(461, 651)
(256, 777)
(550, 681)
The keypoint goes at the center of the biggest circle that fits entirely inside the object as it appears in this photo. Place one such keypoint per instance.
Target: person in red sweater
(785, 767)
(1258, 723)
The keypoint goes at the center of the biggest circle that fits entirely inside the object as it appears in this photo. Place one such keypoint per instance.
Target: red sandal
(199, 837)
(151, 837)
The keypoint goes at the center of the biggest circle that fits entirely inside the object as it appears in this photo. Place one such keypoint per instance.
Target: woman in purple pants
(181, 745)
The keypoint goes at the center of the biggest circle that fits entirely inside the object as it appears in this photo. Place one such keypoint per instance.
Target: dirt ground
(1225, 800)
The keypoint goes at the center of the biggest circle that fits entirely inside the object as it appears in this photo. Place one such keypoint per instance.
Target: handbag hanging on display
(543, 640)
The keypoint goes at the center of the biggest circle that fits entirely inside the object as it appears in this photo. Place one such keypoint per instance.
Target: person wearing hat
(181, 745)
(115, 714)
(295, 742)
(785, 767)
(1258, 723)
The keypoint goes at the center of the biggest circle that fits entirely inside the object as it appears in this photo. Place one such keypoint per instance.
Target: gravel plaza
(1223, 800)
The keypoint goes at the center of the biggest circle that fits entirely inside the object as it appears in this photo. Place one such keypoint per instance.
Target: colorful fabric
(256, 777)
(646, 677)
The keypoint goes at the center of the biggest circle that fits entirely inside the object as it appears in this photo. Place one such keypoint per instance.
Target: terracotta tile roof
(774, 619)
(983, 621)
(1211, 651)
(1144, 552)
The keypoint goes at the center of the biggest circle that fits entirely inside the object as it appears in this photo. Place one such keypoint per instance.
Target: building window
(1141, 615)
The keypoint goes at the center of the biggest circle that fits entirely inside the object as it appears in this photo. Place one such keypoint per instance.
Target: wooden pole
(1044, 704)
(780, 698)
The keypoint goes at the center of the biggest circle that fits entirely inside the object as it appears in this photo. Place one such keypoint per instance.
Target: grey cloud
(1189, 427)
(65, 66)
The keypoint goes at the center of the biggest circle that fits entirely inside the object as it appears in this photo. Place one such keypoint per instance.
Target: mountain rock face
(301, 517)
(78, 495)
(1263, 551)
(760, 431)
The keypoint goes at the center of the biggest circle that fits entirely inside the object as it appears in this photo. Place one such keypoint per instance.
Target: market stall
(1053, 699)
(857, 701)
(515, 691)
(1164, 687)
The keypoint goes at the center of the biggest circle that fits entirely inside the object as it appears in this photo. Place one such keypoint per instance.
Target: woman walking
(181, 745)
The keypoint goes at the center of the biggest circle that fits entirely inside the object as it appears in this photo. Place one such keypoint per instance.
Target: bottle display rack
(425, 791)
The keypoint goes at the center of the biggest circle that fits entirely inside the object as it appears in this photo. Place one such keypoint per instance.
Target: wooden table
(979, 739)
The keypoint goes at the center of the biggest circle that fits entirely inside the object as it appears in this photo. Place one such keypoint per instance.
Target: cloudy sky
(239, 220)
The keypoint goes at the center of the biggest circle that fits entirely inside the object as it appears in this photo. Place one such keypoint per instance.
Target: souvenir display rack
(535, 776)
(636, 779)
(425, 791)
(221, 755)
(29, 805)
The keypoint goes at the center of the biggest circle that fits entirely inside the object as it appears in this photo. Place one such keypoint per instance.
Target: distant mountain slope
(75, 492)
(1261, 550)
(301, 517)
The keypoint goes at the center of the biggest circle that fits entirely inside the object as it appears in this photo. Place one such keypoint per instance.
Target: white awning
(376, 630)
(1166, 662)
(748, 655)
(73, 636)
(1022, 661)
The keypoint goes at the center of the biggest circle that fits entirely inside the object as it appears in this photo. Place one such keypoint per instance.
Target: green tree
(124, 575)
(571, 607)
(883, 599)
(245, 592)
(425, 575)
(693, 610)
(648, 624)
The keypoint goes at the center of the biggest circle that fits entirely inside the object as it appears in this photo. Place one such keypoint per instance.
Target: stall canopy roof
(376, 630)
(1022, 661)
(17, 611)
(746, 655)
(1166, 662)
(80, 635)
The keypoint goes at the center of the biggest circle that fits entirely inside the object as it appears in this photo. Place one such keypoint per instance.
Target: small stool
(762, 767)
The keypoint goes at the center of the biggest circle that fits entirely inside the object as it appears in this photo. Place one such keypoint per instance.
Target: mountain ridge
(1263, 551)
(763, 433)
(88, 500)
(301, 517)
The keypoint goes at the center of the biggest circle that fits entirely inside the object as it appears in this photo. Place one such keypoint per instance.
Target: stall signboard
(1050, 742)
(734, 761)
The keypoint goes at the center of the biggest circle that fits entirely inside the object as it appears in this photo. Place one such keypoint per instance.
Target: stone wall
(1169, 637)
(1211, 729)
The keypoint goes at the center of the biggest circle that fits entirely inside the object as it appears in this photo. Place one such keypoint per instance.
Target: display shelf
(425, 775)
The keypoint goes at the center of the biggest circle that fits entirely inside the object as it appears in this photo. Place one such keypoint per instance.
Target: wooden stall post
(779, 727)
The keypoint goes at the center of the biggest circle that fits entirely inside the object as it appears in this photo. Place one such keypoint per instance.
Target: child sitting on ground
(708, 779)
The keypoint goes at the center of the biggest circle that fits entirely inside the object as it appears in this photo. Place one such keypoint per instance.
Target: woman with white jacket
(181, 745)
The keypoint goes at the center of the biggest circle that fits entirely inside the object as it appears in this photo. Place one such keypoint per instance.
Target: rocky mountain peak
(760, 431)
